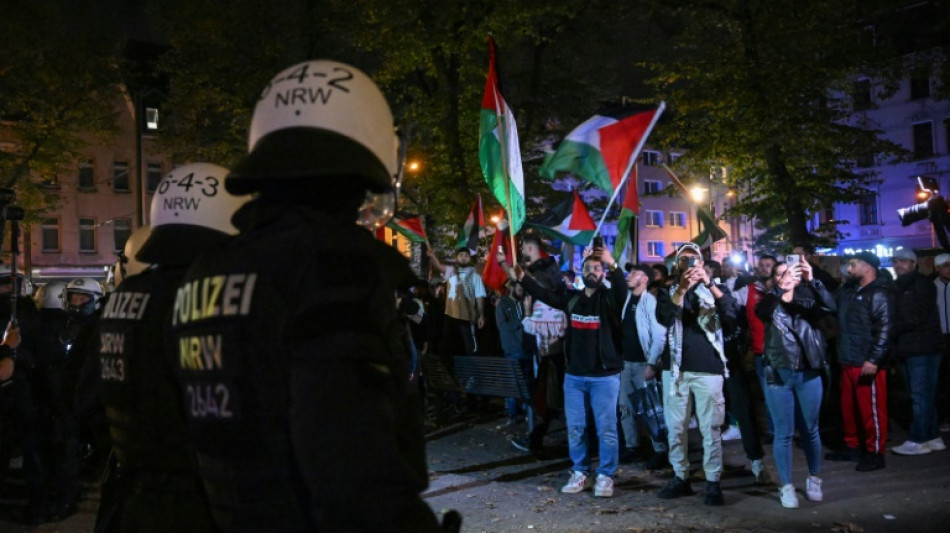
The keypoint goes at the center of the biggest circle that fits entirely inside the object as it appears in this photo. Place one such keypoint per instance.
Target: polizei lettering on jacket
(126, 306)
(214, 296)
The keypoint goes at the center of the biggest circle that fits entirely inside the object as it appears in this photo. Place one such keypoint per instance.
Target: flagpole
(504, 153)
(633, 160)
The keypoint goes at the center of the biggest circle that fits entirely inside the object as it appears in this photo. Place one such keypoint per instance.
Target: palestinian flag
(568, 221)
(498, 149)
(468, 237)
(710, 231)
(629, 210)
(494, 276)
(411, 228)
(603, 149)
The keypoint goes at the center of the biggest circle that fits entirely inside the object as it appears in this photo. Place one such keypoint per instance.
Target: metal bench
(494, 376)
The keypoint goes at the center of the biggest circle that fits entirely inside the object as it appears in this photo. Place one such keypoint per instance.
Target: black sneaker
(713, 494)
(870, 463)
(676, 488)
(844, 454)
(525, 444)
(659, 461)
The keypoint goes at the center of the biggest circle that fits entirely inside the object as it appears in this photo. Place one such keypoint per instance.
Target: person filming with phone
(794, 357)
(694, 311)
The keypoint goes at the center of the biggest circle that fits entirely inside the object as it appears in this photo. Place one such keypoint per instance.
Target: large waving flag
(468, 237)
(411, 228)
(498, 149)
(603, 149)
(710, 231)
(568, 221)
(629, 210)
(494, 276)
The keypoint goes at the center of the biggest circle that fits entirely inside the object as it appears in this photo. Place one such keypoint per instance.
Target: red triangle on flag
(620, 139)
(580, 216)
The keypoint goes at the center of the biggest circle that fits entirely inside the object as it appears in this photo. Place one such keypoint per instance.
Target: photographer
(794, 357)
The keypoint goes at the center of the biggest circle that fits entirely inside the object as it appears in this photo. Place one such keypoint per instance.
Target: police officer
(20, 416)
(160, 487)
(292, 356)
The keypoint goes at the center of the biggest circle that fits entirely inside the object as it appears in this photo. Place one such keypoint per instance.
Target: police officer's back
(290, 345)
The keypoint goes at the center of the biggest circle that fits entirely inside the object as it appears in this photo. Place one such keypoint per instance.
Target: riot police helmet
(82, 287)
(50, 295)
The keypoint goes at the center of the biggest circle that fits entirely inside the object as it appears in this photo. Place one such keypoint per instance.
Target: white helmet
(191, 212)
(86, 286)
(50, 296)
(24, 285)
(127, 265)
(320, 118)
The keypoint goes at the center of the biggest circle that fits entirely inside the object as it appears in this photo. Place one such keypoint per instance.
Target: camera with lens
(923, 211)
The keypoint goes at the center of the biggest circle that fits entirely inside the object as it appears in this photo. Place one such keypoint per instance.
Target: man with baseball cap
(917, 347)
(866, 314)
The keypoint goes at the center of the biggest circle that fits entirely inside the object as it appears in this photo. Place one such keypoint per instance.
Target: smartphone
(599, 241)
(690, 262)
(793, 259)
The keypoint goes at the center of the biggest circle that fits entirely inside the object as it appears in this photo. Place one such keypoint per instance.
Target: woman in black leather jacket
(794, 356)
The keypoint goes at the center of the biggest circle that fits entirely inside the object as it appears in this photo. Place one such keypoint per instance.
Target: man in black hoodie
(592, 344)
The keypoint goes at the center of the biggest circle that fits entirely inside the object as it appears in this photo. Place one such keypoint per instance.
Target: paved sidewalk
(498, 489)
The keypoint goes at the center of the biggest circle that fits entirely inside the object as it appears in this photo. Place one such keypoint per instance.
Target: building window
(868, 206)
(672, 157)
(87, 235)
(677, 219)
(862, 94)
(652, 186)
(650, 158)
(654, 219)
(49, 235)
(654, 248)
(121, 229)
(153, 175)
(923, 140)
(919, 87)
(120, 176)
(87, 175)
(677, 244)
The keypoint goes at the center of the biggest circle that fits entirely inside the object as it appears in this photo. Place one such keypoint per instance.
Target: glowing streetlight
(698, 194)
(495, 219)
(414, 166)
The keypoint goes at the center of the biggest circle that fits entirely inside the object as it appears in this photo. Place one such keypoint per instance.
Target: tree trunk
(782, 179)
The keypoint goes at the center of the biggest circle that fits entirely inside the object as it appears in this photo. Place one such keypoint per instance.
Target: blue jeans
(802, 389)
(921, 373)
(598, 394)
(511, 404)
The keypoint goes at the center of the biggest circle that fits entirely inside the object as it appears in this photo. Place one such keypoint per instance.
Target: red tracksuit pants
(864, 409)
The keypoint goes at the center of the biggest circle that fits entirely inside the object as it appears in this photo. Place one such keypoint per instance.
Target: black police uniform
(293, 366)
(20, 414)
(160, 490)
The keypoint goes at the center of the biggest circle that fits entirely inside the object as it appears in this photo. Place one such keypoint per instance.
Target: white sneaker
(579, 481)
(604, 487)
(936, 445)
(732, 433)
(912, 448)
(788, 496)
(760, 473)
(813, 488)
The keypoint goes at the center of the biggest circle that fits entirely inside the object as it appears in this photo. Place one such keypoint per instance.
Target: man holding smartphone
(694, 311)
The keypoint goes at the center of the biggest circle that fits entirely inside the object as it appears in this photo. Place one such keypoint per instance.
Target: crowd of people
(786, 354)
